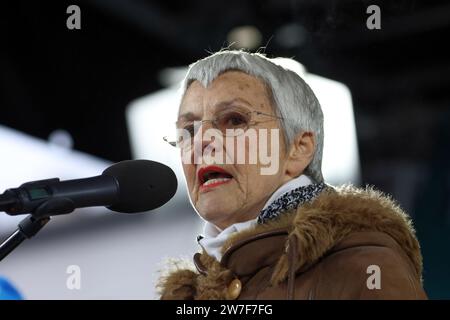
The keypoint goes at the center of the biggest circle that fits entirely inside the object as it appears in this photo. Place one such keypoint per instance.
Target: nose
(202, 140)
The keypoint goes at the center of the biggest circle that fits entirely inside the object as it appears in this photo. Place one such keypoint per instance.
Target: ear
(300, 155)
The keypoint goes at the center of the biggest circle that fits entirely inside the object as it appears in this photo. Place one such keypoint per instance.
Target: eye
(233, 120)
(187, 127)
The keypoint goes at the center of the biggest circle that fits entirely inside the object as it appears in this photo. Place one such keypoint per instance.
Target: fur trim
(317, 227)
(186, 284)
(213, 286)
(178, 281)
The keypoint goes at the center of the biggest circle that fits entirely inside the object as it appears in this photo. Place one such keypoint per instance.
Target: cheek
(260, 187)
(189, 173)
(275, 141)
(240, 152)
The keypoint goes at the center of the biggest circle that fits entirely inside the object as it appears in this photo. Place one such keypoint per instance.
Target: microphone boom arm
(34, 222)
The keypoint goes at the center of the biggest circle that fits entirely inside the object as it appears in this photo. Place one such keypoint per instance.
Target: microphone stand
(34, 222)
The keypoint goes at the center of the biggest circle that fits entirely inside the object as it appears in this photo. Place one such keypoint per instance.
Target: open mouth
(212, 176)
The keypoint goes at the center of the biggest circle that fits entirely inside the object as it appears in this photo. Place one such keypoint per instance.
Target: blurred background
(74, 101)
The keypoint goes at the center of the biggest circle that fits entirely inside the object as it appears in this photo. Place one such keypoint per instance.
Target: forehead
(229, 86)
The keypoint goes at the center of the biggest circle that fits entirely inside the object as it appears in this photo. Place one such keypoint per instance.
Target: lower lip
(212, 185)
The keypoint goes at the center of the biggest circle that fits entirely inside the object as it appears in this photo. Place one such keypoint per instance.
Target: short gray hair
(293, 99)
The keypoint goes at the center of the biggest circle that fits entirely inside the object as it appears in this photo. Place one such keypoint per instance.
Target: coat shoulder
(321, 225)
(372, 269)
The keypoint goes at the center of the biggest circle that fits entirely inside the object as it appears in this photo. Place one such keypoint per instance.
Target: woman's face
(242, 191)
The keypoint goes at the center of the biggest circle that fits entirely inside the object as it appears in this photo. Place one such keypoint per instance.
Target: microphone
(129, 186)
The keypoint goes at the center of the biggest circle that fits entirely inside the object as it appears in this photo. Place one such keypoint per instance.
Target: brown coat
(325, 249)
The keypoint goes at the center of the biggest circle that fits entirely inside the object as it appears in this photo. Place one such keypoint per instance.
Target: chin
(214, 213)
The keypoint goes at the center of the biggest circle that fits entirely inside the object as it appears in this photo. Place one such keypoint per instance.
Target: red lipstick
(210, 173)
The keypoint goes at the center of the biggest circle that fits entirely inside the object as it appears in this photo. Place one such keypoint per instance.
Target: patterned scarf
(291, 200)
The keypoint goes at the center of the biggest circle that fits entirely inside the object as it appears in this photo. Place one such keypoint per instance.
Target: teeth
(216, 180)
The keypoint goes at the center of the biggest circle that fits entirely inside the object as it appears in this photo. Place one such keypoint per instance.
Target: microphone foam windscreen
(144, 185)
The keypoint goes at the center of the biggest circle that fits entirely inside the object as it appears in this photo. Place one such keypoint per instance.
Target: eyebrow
(187, 116)
(219, 106)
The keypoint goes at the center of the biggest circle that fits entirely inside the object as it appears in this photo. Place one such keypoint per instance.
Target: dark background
(82, 80)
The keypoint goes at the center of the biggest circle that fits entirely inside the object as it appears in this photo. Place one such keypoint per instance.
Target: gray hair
(293, 99)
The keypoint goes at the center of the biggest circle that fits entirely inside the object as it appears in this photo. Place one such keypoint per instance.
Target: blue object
(7, 291)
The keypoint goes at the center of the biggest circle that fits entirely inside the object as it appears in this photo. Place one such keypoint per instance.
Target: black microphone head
(143, 185)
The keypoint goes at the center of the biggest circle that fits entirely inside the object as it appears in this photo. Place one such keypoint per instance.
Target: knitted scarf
(291, 200)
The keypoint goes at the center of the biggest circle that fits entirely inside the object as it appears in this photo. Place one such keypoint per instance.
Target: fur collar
(317, 227)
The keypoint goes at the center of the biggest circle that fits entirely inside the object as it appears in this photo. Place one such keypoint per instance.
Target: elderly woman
(282, 234)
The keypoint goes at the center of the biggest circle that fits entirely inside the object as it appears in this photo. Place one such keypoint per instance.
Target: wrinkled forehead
(229, 86)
